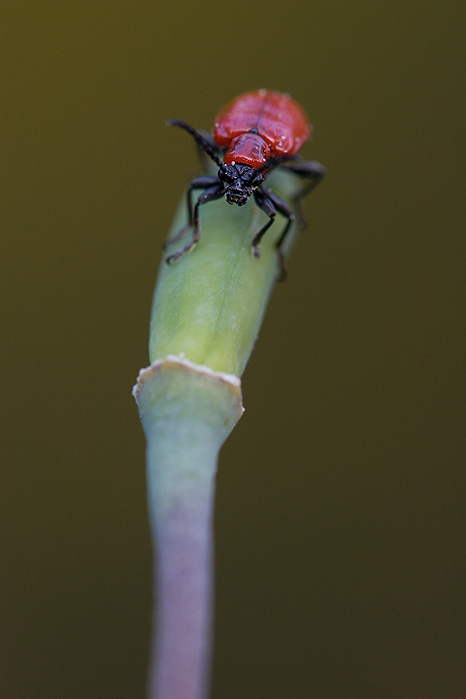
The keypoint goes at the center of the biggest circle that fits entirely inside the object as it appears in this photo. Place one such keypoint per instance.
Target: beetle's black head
(239, 182)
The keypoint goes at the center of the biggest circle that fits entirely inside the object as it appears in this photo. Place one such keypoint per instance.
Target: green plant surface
(209, 306)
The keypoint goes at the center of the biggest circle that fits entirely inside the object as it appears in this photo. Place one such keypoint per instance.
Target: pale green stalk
(187, 413)
(206, 314)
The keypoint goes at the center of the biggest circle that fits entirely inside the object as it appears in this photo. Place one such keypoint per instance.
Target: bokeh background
(339, 511)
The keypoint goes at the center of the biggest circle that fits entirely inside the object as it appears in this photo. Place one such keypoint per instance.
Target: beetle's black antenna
(199, 138)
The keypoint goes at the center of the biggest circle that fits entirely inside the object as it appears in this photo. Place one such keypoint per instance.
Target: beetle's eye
(227, 174)
(257, 179)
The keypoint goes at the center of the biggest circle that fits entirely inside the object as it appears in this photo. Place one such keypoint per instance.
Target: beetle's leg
(310, 169)
(210, 194)
(197, 183)
(288, 213)
(270, 203)
(265, 203)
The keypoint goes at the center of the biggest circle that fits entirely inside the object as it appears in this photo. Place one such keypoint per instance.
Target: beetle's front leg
(198, 183)
(210, 194)
(270, 203)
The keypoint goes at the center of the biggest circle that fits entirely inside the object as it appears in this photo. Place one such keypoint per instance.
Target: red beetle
(256, 132)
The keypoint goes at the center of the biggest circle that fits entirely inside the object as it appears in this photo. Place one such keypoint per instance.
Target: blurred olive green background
(339, 519)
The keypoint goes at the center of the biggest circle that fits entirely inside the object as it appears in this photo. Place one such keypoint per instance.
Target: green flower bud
(208, 307)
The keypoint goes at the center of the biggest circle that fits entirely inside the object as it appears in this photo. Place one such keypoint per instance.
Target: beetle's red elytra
(255, 133)
(261, 125)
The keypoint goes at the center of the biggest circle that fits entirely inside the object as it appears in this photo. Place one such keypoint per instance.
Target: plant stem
(206, 315)
(187, 413)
